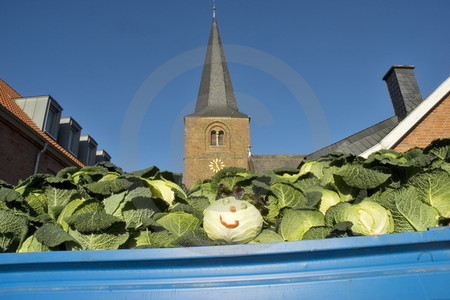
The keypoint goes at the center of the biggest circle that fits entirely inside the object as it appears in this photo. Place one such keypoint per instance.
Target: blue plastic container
(412, 265)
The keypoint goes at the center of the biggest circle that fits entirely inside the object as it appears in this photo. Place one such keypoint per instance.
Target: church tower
(216, 135)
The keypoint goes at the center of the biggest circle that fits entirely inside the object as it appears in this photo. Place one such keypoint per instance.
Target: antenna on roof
(214, 9)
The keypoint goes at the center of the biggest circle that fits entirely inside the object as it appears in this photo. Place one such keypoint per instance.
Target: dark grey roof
(216, 96)
(405, 97)
(359, 142)
(261, 163)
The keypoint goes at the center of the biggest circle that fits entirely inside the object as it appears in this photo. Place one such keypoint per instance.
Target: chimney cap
(391, 69)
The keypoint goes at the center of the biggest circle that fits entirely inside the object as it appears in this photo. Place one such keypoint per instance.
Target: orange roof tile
(7, 96)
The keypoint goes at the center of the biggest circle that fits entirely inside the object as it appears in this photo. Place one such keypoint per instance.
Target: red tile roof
(7, 96)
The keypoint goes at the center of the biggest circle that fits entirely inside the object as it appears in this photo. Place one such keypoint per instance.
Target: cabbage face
(232, 221)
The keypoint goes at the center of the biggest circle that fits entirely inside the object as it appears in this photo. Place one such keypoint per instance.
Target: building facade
(34, 138)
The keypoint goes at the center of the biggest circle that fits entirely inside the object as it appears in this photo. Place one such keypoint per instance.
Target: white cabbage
(233, 221)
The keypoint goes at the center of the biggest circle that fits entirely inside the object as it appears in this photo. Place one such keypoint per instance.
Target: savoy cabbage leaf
(178, 223)
(148, 239)
(288, 195)
(52, 235)
(92, 222)
(317, 232)
(37, 201)
(357, 176)
(267, 236)
(108, 187)
(31, 244)
(433, 187)
(196, 237)
(13, 230)
(115, 203)
(295, 223)
(111, 238)
(419, 214)
(136, 218)
(57, 199)
(388, 200)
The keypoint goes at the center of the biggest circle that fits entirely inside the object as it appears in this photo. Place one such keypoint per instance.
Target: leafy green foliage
(52, 235)
(137, 218)
(148, 239)
(9, 195)
(388, 200)
(111, 238)
(178, 223)
(196, 237)
(419, 214)
(338, 195)
(433, 188)
(268, 236)
(357, 176)
(288, 196)
(108, 187)
(57, 199)
(92, 222)
(13, 230)
(317, 232)
(31, 244)
(295, 223)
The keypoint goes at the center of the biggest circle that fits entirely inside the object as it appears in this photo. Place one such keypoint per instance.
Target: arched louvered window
(213, 138)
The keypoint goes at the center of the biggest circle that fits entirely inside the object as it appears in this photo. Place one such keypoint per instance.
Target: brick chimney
(403, 89)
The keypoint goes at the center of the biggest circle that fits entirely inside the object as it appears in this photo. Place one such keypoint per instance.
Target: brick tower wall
(198, 152)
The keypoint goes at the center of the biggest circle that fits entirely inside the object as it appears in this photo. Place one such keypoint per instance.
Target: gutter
(38, 158)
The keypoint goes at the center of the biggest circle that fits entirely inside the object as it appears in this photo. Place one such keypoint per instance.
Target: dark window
(51, 118)
(217, 138)
(72, 136)
(213, 138)
(220, 138)
(90, 156)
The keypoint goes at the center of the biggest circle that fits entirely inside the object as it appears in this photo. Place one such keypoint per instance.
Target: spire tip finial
(214, 9)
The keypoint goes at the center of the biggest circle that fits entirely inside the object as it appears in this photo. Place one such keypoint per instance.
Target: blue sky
(307, 72)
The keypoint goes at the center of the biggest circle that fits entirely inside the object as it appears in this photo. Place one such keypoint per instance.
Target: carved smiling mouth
(228, 225)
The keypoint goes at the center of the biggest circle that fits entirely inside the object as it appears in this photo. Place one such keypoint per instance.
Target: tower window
(217, 138)
(220, 138)
(213, 138)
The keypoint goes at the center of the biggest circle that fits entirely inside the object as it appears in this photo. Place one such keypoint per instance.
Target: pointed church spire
(216, 96)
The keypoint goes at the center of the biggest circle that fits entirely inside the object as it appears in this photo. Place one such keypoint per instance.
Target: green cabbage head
(232, 221)
(329, 198)
(369, 218)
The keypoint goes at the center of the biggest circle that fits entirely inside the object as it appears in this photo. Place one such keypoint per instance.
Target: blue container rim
(433, 235)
